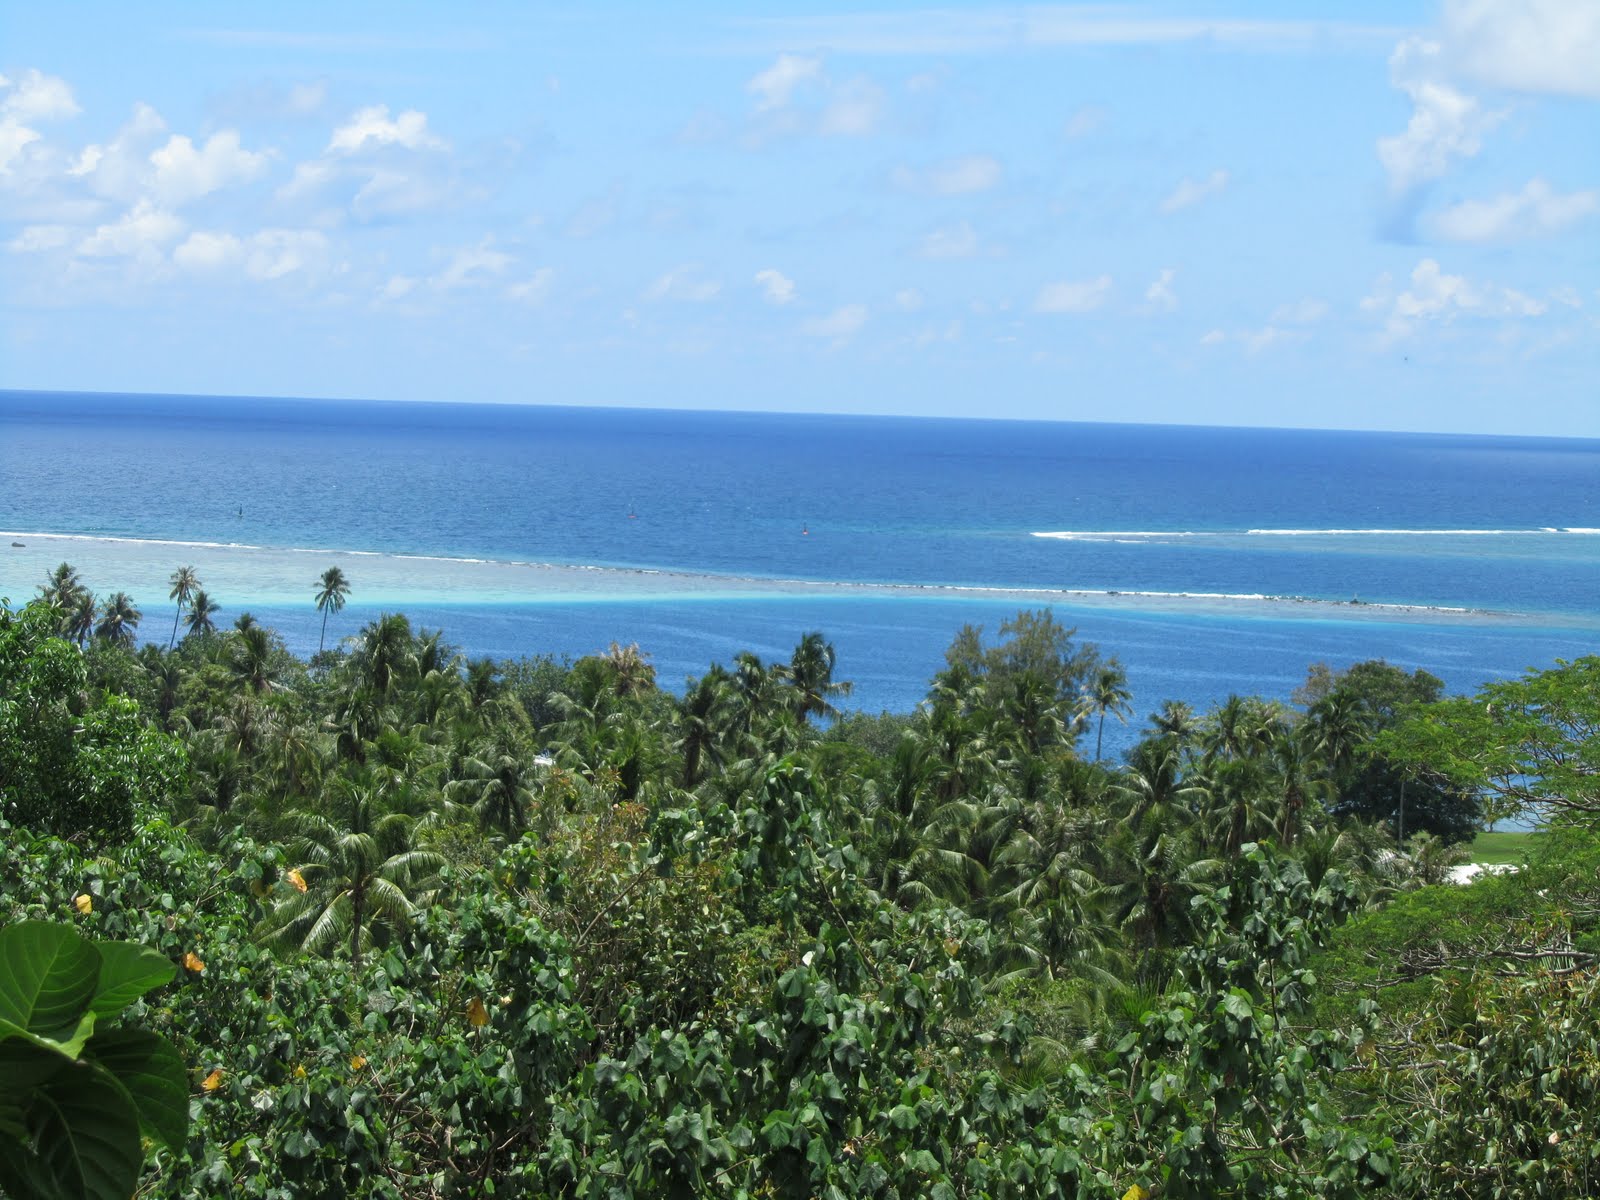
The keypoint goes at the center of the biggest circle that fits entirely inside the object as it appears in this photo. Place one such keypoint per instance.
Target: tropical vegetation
(442, 926)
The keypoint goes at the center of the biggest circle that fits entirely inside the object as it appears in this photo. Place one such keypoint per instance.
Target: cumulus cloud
(1073, 296)
(839, 326)
(776, 287)
(143, 231)
(1433, 296)
(1192, 191)
(372, 127)
(796, 95)
(954, 177)
(1446, 124)
(263, 256)
(184, 173)
(1159, 295)
(776, 86)
(120, 169)
(1540, 46)
(28, 99)
(958, 241)
(1535, 211)
(685, 283)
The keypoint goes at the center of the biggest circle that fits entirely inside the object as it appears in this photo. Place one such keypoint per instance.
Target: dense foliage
(448, 927)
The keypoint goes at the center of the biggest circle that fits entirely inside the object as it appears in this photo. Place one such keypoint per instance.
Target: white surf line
(846, 585)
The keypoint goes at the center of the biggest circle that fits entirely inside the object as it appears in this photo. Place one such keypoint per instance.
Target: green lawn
(1505, 847)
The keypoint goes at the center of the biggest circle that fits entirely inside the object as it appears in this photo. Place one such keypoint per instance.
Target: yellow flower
(83, 903)
(297, 880)
(357, 1061)
(213, 1081)
(192, 961)
(1136, 1192)
(477, 1014)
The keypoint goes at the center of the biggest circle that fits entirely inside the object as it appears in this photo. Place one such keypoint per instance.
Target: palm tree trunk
(355, 925)
(324, 636)
(175, 617)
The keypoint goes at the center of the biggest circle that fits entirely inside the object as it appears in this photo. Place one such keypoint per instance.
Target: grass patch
(1507, 846)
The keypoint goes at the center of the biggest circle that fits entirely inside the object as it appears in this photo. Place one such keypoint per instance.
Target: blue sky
(1355, 215)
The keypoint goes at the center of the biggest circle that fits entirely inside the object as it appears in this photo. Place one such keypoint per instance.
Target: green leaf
(68, 1045)
(47, 978)
(154, 1077)
(87, 1133)
(128, 971)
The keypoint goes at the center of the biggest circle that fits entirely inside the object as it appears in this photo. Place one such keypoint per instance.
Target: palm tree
(62, 587)
(185, 583)
(119, 620)
(358, 866)
(81, 617)
(332, 588)
(631, 669)
(202, 611)
(702, 715)
(252, 659)
(496, 784)
(1108, 692)
(810, 674)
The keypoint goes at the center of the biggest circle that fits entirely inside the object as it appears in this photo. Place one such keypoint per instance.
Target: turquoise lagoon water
(1208, 560)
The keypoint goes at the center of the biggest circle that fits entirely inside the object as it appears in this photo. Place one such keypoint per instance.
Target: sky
(1336, 213)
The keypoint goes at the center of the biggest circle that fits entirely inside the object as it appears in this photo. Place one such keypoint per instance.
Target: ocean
(1208, 560)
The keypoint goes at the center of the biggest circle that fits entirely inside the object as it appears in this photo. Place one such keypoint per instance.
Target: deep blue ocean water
(1390, 518)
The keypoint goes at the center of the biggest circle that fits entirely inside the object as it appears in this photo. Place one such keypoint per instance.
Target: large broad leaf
(85, 1133)
(153, 1075)
(128, 971)
(25, 1064)
(48, 976)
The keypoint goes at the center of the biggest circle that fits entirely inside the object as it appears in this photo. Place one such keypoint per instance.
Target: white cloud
(840, 325)
(1192, 191)
(141, 232)
(306, 98)
(1432, 296)
(959, 241)
(372, 127)
(398, 287)
(263, 256)
(1537, 46)
(202, 251)
(1535, 211)
(908, 299)
(36, 96)
(471, 265)
(685, 283)
(1213, 337)
(121, 168)
(183, 173)
(775, 87)
(308, 177)
(389, 193)
(533, 289)
(1446, 124)
(776, 287)
(1073, 296)
(35, 238)
(1159, 295)
(955, 177)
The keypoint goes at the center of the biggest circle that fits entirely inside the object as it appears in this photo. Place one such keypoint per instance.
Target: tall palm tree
(185, 583)
(202, 614)
(496, 784)
(810, 674)
(119, 620)
(332, 588)
(81, 617)
(252, 659)
(703, 715)
(1108, 693)
(631, 668)
(62, 587)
